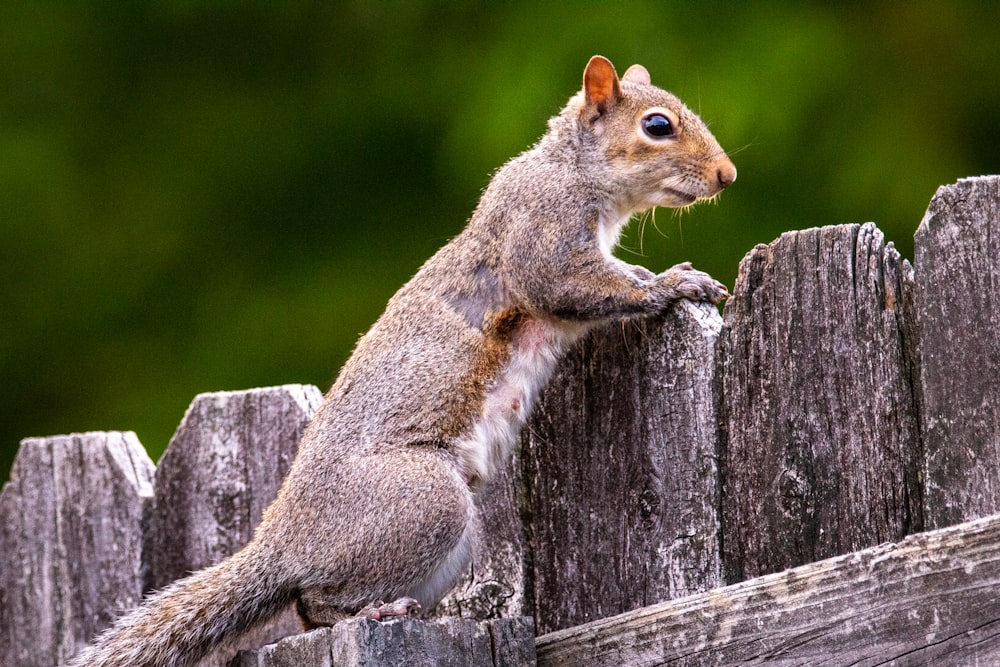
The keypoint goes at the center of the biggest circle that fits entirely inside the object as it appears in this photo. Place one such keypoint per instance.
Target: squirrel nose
(726, 174)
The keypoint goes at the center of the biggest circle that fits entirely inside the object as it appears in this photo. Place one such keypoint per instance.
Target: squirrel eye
(657, 126)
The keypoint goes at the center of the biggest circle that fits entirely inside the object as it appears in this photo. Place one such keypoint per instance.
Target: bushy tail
(190, 618)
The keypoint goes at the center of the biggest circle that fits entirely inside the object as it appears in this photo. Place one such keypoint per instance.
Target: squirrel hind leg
(416, 541)
(448, 572)
(322, 606)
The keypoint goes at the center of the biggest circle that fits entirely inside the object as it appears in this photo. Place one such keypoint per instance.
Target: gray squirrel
(378, 504)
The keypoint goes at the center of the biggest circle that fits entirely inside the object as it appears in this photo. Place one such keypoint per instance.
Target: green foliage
(196, 198)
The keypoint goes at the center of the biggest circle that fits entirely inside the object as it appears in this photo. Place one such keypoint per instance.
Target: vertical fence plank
(619, 463)
(71, 542)
(957, 297)
(818, 417)
(222, 469)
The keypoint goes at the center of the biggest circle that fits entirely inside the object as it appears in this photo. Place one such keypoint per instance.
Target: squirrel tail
(191, 617)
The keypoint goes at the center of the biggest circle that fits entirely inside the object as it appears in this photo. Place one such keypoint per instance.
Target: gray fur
(378, 501)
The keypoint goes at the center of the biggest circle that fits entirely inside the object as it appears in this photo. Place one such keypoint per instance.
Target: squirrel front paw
(684, 282)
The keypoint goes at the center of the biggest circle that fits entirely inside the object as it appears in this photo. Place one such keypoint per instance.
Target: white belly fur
(536, 347)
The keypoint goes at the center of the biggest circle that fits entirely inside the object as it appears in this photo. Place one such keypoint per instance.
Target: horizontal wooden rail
(931, 599)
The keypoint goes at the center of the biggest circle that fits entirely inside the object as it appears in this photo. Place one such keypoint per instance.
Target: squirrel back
(379, 501)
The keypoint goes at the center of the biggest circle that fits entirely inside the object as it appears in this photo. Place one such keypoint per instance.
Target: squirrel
(378, 504)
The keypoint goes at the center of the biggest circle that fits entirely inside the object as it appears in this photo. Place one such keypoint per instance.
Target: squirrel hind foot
(381, 611)
(315, 612)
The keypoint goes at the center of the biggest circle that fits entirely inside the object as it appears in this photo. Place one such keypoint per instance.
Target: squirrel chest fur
(379, 501)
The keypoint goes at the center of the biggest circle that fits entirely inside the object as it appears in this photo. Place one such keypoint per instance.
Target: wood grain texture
(223, 467)
(818, 416)
(71, 542)
(619, 464)
(957, 262)
(497, 582)
(928, 600)
(445, 642)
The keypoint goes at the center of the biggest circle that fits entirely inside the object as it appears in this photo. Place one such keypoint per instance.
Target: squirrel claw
(381, 611)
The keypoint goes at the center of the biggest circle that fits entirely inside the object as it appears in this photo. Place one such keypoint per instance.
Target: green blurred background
(202, 197)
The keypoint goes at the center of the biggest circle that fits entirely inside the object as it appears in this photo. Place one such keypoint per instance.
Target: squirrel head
(654, 150)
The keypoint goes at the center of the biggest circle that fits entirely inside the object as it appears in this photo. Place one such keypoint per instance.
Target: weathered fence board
(71, 542)
(957, 255)
(619, 463)
(615, 480)
(223, 467)
(446, 642)
(819, 429)
(929, 600)
(497, 583)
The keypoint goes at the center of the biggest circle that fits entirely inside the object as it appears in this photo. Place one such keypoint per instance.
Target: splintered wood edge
(931, 588)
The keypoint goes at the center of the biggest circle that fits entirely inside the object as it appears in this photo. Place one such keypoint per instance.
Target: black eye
(657, 126)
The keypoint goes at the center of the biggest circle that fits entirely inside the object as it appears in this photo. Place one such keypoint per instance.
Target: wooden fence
(695, 489)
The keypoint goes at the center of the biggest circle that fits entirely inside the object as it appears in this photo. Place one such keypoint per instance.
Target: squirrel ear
(637, 74)
(600, 84)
